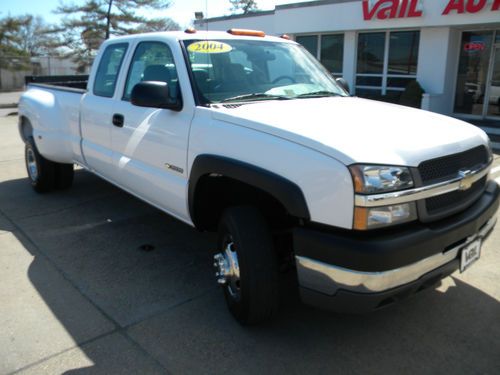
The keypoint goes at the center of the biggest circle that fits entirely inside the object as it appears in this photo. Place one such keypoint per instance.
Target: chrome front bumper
(328, 279)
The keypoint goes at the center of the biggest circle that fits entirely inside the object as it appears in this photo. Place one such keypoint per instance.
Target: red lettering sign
(473, 7)
(474, 46)
(469, 6)
(457, 5)
(385, 9)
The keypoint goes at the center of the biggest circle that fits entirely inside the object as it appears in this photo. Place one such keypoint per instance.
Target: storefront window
(371, 53)
(475, 51)
(310, 43)
(387, 63)
(332, 52)
(403, 52)
(494, 89)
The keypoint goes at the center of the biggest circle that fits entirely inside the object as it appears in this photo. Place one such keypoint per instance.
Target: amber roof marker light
(246, 32)
(190, 30)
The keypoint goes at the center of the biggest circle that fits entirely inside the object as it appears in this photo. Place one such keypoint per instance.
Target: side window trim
(96, 79)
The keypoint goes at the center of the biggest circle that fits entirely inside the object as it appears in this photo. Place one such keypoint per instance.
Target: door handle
(118, 120)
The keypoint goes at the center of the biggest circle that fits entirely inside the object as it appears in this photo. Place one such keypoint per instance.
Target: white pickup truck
(248, 135)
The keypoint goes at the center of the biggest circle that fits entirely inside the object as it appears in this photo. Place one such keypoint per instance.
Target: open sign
(474, 46)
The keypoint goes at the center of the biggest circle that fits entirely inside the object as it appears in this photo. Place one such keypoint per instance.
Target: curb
(8, 105)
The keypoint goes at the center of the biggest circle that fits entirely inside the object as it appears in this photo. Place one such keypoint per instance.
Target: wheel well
(214, 193)
(25, 128)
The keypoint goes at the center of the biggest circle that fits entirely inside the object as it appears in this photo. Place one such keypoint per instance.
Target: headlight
(376, 179)
(373, 179)
(376, 217)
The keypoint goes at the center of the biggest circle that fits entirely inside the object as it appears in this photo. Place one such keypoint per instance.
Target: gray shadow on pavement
(160, 310)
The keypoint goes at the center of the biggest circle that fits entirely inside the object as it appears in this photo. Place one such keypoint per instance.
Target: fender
(285, 191)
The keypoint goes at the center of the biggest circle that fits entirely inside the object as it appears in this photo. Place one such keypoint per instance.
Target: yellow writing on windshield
(209, 46)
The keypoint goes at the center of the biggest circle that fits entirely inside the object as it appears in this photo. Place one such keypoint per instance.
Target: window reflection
(371, 53)
(310, 43)
(332, 52)
(403, 52)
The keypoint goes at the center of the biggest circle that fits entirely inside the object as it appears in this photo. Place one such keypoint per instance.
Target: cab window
(152, 61)
(108, 70)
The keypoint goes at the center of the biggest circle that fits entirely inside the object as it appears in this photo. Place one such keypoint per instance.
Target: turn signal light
(246, 32)
(360, 218)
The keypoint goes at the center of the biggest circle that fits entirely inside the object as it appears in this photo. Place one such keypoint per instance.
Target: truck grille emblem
(467, 179)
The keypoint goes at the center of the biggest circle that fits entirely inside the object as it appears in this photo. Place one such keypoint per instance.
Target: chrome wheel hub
(32, 166)
(228, 269)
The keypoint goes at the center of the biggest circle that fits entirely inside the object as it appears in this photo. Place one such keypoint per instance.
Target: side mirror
(343, 83)
(154, 94)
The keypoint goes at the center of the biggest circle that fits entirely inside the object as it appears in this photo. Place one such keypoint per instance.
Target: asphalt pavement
(80, 295)
(8, 103)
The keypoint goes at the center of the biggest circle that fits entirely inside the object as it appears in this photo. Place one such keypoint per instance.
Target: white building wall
(349, 63)
(433, 65)
(263, 22)
(345, 16)
(439, 36)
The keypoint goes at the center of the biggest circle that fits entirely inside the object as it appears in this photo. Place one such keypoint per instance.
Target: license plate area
(470, 254)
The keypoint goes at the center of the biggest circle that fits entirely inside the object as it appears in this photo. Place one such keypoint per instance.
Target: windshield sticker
(209, 46)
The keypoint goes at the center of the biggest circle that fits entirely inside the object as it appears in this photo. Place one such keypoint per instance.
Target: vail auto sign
(469, 6)
(386, 9)
(383, 9)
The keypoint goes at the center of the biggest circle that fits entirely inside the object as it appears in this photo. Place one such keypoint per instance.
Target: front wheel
(246, 265)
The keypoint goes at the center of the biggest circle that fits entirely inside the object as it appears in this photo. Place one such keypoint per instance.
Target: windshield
(250, 70)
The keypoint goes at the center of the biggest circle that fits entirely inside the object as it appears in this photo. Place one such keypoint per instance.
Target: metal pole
(108, 22)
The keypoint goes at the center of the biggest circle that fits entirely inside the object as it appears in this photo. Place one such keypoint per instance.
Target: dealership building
(450, 47)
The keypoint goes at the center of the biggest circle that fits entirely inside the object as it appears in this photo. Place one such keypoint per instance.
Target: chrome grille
(455, 198)
(446, 168)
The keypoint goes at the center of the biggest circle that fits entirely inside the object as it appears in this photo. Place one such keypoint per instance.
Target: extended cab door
(97, 109)
(150, 148)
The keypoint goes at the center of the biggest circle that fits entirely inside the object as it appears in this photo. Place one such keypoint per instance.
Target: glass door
(477, 93)
(492, 98)
(475, 55)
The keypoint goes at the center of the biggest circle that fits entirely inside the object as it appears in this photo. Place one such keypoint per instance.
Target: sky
(182, 11)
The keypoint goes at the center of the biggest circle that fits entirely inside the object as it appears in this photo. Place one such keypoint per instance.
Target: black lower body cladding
(387, 250)
(352, 272)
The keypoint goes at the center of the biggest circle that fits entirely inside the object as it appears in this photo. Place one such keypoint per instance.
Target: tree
(246, 6)
(37, 37)
(12, 56)
(86, 26)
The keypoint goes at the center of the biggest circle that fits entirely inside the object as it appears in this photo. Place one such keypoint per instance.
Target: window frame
(111, 45)
(383, 89)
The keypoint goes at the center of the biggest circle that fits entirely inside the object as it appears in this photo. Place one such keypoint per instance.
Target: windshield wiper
(318, 94)
(256, 95)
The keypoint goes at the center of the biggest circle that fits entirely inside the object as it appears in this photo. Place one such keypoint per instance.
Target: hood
(355, 130)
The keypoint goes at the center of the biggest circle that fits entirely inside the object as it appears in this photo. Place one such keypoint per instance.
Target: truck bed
(77, 83)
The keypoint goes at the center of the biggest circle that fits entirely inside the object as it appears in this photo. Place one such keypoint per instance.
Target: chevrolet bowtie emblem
(466, 181)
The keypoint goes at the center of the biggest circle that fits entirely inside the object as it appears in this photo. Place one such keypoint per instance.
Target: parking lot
(80, 294)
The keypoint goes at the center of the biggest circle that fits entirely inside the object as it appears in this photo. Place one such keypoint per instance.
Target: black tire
(64, 175)
(43, 178)
(249, 232)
